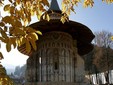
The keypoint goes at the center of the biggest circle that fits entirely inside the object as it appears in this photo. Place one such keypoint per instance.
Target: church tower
(56, 61)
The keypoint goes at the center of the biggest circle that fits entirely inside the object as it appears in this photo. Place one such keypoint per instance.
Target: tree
(100, 59)
(14, 28)
(103, 39)
(104, 61)
(4, 78)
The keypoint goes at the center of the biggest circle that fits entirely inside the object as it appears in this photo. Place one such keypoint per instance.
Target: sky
(97, 18)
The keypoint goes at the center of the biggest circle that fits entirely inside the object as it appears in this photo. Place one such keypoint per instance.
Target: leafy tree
(4, 78)
(14, 28)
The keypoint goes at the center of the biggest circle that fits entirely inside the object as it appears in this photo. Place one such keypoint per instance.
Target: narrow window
(40, 60)
(56, 65)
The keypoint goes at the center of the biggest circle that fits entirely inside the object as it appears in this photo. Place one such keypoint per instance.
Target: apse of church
(55, 59)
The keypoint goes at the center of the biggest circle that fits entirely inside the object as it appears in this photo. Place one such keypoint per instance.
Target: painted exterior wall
(55, 61)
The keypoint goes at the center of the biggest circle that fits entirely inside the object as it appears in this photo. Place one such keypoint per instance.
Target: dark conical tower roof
(54, 5)
(54, 11)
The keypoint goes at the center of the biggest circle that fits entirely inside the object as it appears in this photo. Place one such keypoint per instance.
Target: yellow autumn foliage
(112, 38)
(1, 56)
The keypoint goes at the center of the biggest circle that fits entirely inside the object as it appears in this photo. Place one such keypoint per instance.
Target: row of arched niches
(56, 39)
(54, 60)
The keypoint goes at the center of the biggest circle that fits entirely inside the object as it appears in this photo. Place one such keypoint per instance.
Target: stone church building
(57, 60)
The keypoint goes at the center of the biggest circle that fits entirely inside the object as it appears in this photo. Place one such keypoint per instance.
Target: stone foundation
(55, 83)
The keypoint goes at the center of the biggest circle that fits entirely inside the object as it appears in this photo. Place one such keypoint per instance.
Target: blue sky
(98, 18)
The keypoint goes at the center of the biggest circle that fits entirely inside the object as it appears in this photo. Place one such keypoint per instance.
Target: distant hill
(20, 71)
(9, 68)
(9, 71)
